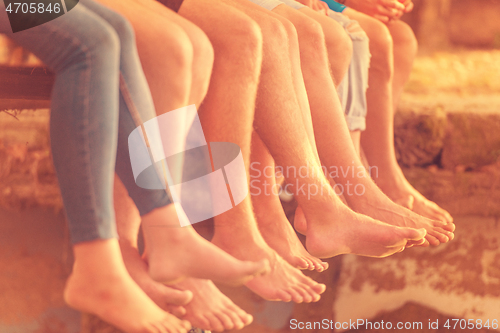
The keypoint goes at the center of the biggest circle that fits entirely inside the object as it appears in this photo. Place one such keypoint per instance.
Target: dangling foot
(356, 234)
(168, 298)
(283, 283)
(279, 234)
(100, 284)
(210, 309)
(378, 206)
(174, 253)
(395, 185)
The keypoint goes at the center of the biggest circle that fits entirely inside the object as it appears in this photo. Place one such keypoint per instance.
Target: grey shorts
(352, 89)
(271, 4)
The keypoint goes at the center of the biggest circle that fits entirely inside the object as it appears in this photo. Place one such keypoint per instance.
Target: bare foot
(380, 207)
(174, 253)
(210, 309)
(167, 298)
(394, 184)
(279, 234)
(407, 196)
(356, 234)
(283, 283)
(282, 238)
(100, 284)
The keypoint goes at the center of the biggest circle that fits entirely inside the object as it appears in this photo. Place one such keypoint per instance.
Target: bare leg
(128, 223)
(405, 51)
(338, 151)
(194, 256)
(107, 287)
(390, 68)
(199, 300)
(273, 224)
(231, 99)
(338, 44)
(278, 123)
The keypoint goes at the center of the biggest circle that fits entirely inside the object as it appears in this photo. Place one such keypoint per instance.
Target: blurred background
(448, 141)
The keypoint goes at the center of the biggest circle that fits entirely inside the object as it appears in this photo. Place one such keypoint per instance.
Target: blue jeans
(90, 48)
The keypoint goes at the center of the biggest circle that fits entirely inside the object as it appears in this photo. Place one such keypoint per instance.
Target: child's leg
(385, 87)
(84, 52)
(337, 151)
(352, 90)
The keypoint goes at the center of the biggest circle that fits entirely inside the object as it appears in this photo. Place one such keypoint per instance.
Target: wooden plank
(22, 104)
(25, 83)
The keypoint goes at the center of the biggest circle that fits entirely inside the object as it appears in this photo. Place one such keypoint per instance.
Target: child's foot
(174, 253)
(280, 236)
(169, 299)
(407, 196)
(283, 283)
(356, 234)
(210, 309)
(100, 284)
(380, 207)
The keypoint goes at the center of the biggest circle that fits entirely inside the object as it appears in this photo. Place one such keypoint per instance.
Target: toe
(413, 234)
(226, 320)
(283, 296)
(235, 319)
(300, 263)
(177, 311)
(215, 323)
(186, 325)
(310, 264)
(242, 315)
(311, 294)
(432, 240)
(440, 234)
(296, 296)
(304, 293)
(201, 321)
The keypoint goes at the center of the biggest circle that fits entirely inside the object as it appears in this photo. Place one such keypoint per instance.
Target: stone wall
(441, 23)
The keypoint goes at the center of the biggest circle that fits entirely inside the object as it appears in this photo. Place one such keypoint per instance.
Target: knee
(381, 48)
(339, 45)
(203, 52)
(276, 35)
(310, 31)
(123, 29)
(404, 38)
(178, 49)
(102, 47)
(290, 30)
(241, 46)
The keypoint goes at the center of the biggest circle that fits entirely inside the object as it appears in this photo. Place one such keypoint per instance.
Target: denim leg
(83, 50)
(133, 89)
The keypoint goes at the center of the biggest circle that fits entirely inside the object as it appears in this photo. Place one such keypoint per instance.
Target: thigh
(333, 30)
(194, 32)
(372, 27)
(156, 32)
(401, 32)
(221, 22)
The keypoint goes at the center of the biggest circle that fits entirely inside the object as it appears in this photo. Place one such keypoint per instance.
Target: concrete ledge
(463, 140)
